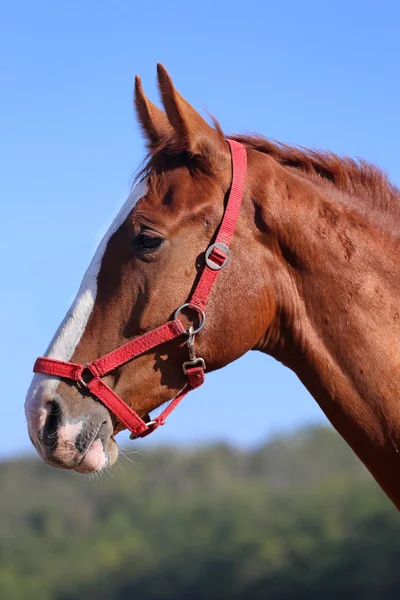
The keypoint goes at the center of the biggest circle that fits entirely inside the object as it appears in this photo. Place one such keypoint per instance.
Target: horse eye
(147, 241)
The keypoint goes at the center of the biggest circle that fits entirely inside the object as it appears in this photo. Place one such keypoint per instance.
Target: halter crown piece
(217, 257)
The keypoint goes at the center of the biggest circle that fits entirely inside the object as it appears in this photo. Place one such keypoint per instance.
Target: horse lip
(98, 462)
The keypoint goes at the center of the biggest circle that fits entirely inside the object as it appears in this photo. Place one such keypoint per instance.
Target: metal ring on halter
(149, 424)
(81, 381)
(213, 265)
(201, 314)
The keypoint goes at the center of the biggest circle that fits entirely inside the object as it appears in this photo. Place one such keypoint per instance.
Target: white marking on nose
(70, 332)
(66, 437)
(68, 433)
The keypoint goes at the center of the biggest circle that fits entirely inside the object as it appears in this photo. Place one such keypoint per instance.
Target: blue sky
(320, 74)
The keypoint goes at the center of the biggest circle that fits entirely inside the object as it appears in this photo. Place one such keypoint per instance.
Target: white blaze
(69, 333)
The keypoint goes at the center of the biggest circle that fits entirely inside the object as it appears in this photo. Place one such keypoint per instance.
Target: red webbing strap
(227, 227)
(165, 333)
(107, 363)
(58, 368)
(109, 398)
(129, 417)
(105, 394)
(103, 365)
(195, 377)
(97, 387)
(117, 406)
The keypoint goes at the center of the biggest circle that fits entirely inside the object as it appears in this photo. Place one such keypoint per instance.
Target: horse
(226, 245)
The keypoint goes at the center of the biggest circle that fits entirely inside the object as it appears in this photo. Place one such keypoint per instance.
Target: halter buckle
(191, 363)
(222, 248)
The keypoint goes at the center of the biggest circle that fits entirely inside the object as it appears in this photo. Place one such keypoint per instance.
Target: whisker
(124, 455)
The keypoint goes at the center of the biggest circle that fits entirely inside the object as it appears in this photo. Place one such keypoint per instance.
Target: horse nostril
(49, 435)
(105, 430)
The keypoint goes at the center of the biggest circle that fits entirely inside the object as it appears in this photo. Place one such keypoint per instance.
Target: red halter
(217, 257)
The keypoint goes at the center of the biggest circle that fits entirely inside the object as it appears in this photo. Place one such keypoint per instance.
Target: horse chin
(97, 458)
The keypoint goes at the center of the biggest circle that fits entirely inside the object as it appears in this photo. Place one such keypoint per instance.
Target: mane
(362, 186)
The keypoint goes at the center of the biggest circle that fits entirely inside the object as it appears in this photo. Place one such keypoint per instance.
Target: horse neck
(338, 318)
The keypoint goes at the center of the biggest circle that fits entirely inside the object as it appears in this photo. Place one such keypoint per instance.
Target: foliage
(298, 519)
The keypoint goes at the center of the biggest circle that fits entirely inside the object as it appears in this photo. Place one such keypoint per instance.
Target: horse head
(146, 266)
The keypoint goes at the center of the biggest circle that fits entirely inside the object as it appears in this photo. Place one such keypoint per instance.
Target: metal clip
(190, 343)
(193, 359)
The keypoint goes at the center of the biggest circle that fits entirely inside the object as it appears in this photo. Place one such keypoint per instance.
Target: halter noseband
(217, 257)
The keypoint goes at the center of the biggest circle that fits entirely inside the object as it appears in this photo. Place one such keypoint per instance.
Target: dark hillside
(299, 518)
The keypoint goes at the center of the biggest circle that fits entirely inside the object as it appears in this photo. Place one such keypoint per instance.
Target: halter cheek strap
(90, 375)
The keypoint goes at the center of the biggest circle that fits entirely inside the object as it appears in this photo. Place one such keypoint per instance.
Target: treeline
(298, 519)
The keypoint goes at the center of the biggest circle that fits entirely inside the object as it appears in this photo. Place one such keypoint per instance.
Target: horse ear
(193, 133)
(153, 121)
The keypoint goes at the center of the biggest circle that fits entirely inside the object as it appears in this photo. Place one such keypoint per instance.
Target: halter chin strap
(217, 257)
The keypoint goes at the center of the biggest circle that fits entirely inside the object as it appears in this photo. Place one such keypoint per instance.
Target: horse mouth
(96, 458)
(81, 441)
